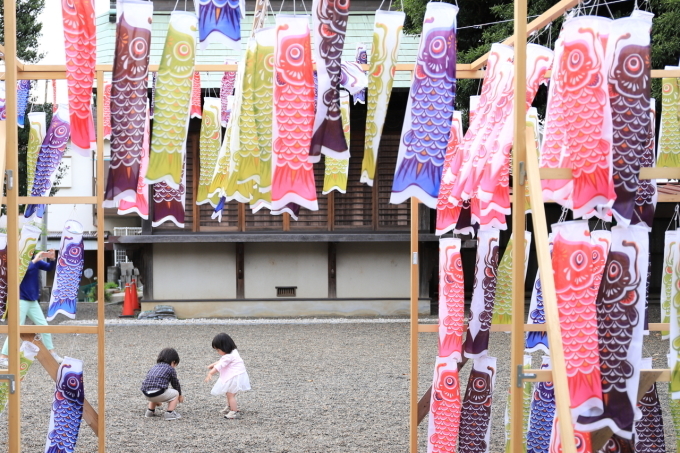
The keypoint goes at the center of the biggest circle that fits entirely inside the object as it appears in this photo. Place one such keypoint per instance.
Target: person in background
(29, 294)
(156, 385)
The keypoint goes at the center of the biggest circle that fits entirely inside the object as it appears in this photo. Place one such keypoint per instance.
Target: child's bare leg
(173, 404)
(231, 400)
(153, 406)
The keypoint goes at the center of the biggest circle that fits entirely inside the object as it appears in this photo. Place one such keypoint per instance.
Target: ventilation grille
(286, 291)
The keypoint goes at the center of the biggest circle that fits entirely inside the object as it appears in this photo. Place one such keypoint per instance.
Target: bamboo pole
(101, 271)
(413, 415)
(518, 228)
(552, 316)
(12, 157)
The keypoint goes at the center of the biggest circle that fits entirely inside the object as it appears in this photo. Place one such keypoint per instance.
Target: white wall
(268, 265)
(373, 269)
(194, 271)
(78, 182)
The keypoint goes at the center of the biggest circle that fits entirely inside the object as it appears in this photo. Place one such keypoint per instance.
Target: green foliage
(473, 42)
(91, 293)
(29, 29)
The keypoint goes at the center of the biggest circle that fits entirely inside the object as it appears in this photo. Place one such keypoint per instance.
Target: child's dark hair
(168, 355)
(224, 343)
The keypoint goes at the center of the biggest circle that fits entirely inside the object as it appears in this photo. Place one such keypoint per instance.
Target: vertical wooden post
(147, 270)
(240, 271)
(101, 271)
(375, 200)
(332, 268)
(413, 416)
(12, 157)
(552, 317)
(331, 211)
(518, 227)
(195, 177)
(241, 217)
(286, 222)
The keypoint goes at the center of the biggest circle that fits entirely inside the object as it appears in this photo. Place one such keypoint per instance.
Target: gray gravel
(317, 387)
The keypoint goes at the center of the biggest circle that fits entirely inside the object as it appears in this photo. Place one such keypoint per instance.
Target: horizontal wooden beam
(662, 375)
(268, 236)
(54, 200)
(645, 173)
(53, 329)
(653, 327)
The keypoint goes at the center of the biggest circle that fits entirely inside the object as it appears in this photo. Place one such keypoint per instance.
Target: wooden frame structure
(529, 173)
(16, 70)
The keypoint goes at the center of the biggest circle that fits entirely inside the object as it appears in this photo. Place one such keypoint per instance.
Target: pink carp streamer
(447, 212)
(445, 407)
(107, 111)
(578, 264)
(579, 121)
(80, 37)
(195, 111)
(445, 404)
(227, 93)
(292, 174)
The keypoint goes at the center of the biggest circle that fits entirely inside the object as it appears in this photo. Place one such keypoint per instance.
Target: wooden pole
(552, 317)
(12, 158)
(518, 228)
(413, 416)
(101, 271)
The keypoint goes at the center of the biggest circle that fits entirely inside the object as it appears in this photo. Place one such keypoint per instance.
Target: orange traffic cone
(128, 307)
(135, 297)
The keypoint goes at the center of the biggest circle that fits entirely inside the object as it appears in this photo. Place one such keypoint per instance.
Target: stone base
(290, 308)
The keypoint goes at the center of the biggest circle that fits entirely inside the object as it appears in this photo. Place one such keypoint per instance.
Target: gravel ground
(317, 387)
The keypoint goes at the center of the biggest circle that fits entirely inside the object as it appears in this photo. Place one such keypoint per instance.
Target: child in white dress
(233, 375)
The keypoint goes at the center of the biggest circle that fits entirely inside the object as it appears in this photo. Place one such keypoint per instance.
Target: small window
(286, 291)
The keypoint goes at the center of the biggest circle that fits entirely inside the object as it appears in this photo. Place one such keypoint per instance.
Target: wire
(531, 17)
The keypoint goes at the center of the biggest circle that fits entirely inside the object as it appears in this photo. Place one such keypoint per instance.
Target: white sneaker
(233, 415)
(4, 363)
(226, 409)
(56, 357)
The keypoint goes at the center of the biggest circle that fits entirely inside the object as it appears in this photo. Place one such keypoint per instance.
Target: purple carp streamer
(629, 75)
(483, 294)
(219, 21)
(387, 33)
(649, 434)
(647, 195)
(475, 417)
(67, 408)
(69, 270)
(329, 20)
(80, 43)
(541, 415)
(427, 122)
(128, 100)
(172, 102)
(49, 158)
(361, 58)
(23, 90)
(536, 341)
(620, 319)
(3, 101)
(169, 203)
(353, 78)
(3, 275)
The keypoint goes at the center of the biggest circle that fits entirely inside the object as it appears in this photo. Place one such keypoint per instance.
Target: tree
(475, 42)
(29, 29)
